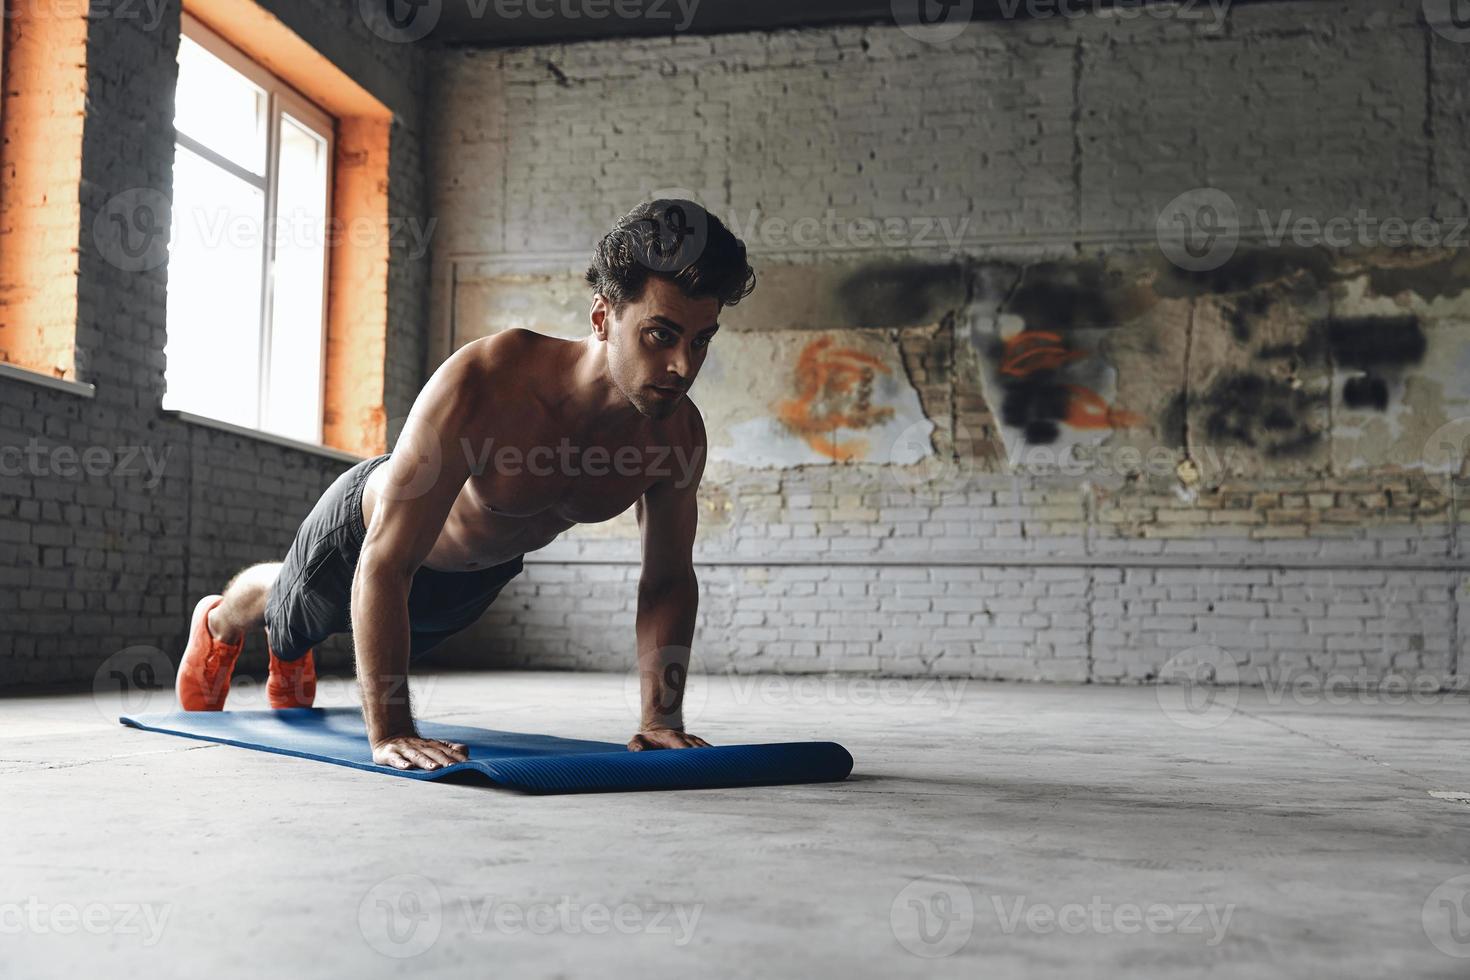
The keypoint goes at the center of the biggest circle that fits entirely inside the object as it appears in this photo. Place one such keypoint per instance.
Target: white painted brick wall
(1040, 134)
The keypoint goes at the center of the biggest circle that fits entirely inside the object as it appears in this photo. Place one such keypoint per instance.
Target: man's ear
(600, 315)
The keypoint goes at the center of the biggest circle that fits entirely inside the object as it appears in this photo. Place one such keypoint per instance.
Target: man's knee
(254, 577)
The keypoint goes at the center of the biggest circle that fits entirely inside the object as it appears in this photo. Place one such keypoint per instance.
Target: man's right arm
(426, 471)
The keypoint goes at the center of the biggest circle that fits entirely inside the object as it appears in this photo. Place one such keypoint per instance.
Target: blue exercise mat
(532, 763)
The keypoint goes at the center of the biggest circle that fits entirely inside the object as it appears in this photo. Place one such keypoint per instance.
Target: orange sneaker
(292, 683)
(203, 680)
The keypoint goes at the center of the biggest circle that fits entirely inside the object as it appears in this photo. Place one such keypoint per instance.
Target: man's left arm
(668, 598)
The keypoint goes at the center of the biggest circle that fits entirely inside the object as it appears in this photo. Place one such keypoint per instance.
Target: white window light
(247, 266)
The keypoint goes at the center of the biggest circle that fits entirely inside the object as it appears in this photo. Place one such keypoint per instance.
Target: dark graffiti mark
(1038, 401)
(1247, 309)
(901, 294)
(1381, 347)
(1377, 346)
(1249, 269)
(1376, 342)
(1036, 408)
(1263, 413)
(1366, 393)
(1075, 296)
(1443, 279)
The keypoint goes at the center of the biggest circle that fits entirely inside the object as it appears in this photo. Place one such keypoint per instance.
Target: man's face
(656, 348)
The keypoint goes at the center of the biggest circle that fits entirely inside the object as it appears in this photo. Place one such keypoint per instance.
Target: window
(248, 244)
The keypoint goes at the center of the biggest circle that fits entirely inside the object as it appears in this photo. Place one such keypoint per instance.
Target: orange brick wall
(357, 290)
(44, 91)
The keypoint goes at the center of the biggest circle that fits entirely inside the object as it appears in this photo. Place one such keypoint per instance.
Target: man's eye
(702, 342)
(661, 335)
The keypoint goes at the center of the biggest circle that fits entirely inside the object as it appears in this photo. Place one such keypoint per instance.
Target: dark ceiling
(521, 22)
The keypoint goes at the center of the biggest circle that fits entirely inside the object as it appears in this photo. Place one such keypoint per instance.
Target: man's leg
(216, 636)
(242, 608)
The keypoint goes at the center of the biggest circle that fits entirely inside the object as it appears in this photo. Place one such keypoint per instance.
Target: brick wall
(103, 559)
(1059, 141)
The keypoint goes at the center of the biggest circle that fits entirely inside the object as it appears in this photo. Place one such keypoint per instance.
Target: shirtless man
(515, 438)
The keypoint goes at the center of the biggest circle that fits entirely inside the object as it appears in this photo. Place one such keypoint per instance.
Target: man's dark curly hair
(677, 240)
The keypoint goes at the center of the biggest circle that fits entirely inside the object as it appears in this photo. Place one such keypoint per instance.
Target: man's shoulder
(509, 349)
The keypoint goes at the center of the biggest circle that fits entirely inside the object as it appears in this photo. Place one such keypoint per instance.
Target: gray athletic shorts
(311, 598)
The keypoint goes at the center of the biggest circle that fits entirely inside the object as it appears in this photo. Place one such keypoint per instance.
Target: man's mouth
(667, 392)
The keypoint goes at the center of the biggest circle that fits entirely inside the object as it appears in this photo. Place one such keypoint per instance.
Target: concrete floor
(1021, 830)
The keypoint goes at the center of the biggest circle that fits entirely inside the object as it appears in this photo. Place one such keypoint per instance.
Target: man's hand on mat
(665, 738)
(413, 752)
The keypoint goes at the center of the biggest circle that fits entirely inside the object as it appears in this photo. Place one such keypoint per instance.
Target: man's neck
(593, 399)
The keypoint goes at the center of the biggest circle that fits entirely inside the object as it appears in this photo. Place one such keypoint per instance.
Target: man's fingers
(440, 757)
(666, 740)
(421, 758)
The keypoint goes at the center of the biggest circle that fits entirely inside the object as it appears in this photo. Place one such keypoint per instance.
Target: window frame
(281, 100)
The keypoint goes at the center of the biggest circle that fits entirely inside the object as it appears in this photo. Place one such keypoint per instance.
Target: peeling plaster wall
(1095, 463)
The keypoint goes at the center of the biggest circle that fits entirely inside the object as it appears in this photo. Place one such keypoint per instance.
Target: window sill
(326, 452)
(77, 388)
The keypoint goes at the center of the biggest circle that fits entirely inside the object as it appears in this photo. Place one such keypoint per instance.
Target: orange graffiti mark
(1087, 410)
(1033, 352)
(1036, 350)
(834, 391)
